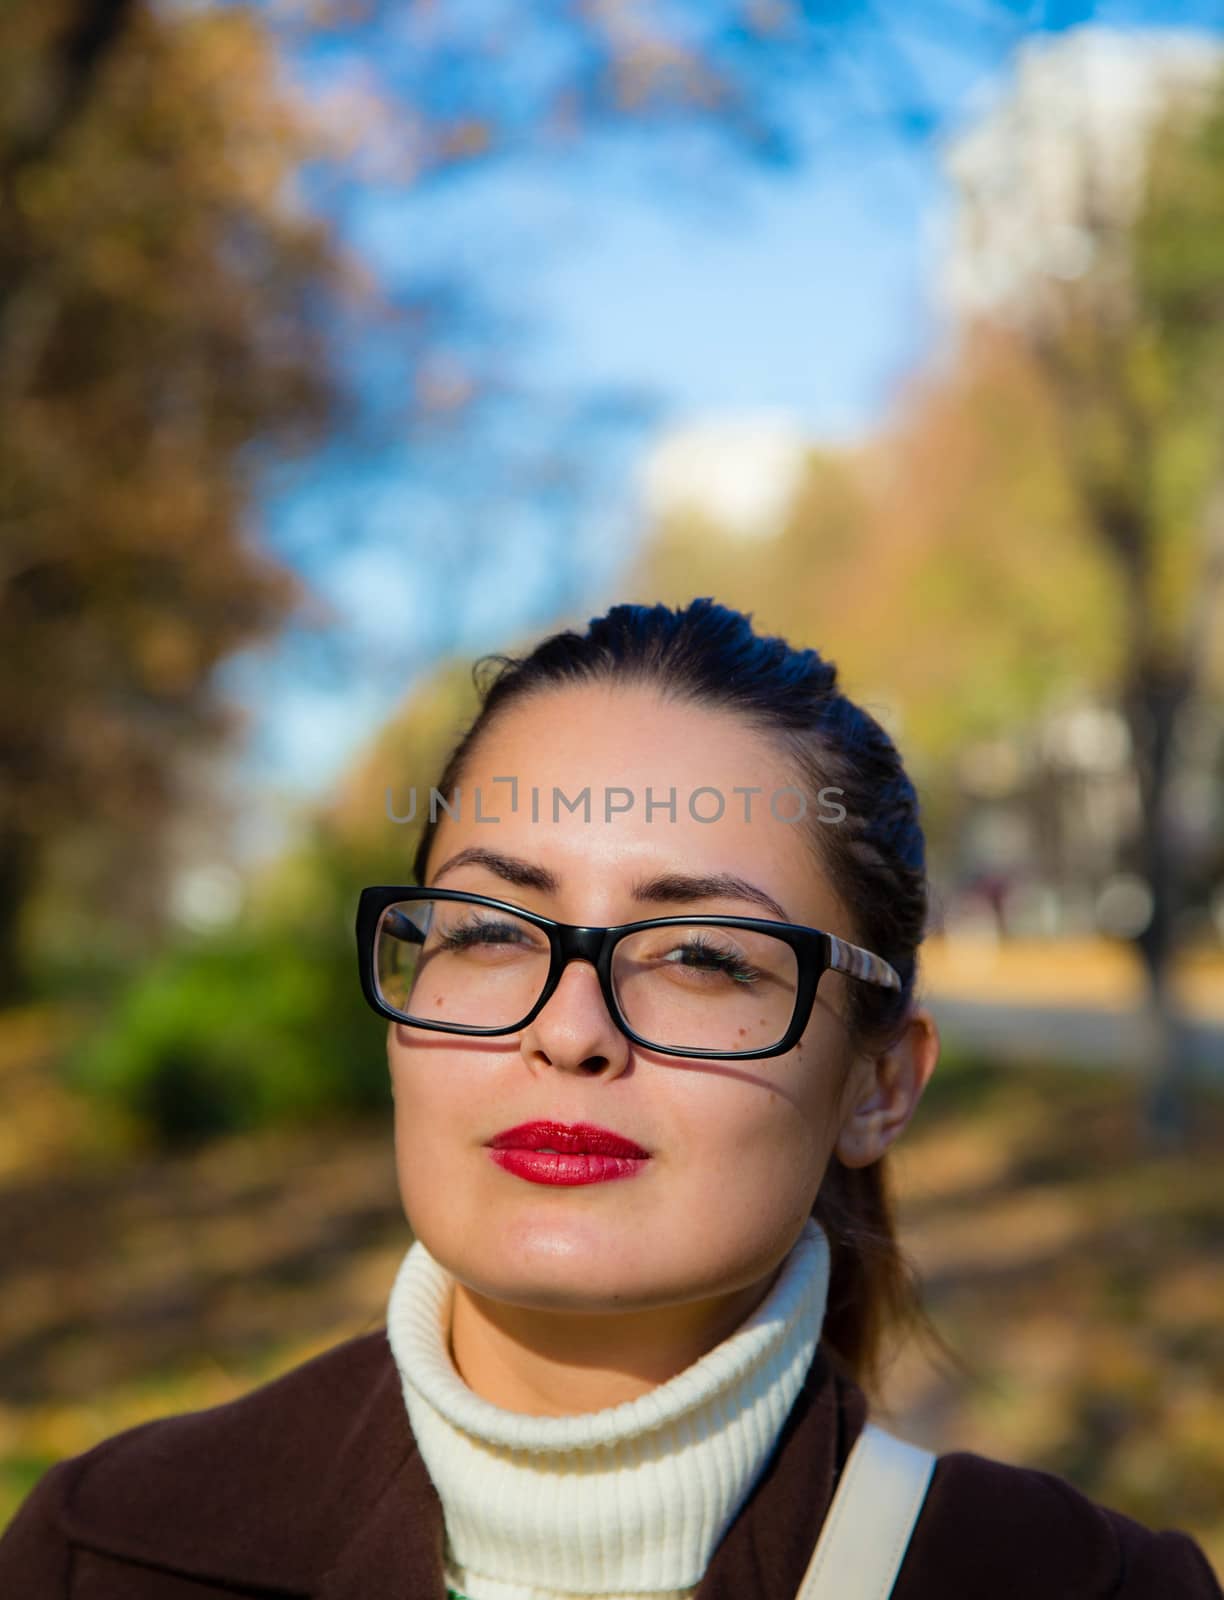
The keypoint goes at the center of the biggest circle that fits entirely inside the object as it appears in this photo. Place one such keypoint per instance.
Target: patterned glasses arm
(859, 963)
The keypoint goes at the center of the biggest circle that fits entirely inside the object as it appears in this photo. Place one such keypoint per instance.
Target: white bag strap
(870, 1520)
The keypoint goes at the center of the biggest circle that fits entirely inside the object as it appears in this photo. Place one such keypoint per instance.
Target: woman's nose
(574, 1027)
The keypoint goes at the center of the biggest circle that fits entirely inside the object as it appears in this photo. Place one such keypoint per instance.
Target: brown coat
(312, 1485)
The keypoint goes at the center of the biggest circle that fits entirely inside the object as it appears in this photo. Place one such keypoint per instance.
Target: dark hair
(875, 859)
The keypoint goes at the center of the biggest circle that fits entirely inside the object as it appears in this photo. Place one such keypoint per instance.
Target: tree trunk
(91, 30)
(1153, 702)
(53, 98)
(18, 868)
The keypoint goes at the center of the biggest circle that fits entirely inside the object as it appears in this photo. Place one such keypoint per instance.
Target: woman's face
(738, 1148)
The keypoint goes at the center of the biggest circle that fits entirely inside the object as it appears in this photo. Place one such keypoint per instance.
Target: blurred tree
(160, 298)
(392, 776)
(1128, 341)
(433, 87)
(979, 593)
(46, 89)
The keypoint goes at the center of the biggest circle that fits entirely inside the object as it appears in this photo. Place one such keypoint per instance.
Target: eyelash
(725, 960)
(475, 933)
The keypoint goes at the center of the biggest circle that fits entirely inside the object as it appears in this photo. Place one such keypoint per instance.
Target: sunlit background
(343, 341)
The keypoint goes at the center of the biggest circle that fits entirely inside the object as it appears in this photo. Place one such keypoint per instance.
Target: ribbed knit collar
(624, 1502)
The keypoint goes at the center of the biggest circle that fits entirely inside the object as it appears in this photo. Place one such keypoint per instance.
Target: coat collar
(312, 1485)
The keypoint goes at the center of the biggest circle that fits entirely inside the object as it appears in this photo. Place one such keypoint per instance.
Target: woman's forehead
(635, 725)
(599, 793)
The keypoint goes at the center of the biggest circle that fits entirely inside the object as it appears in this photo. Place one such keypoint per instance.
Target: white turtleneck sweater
(626, 1502)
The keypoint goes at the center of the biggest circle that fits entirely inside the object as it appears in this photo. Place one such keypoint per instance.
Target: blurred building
(1048, 814)
(1067, 139)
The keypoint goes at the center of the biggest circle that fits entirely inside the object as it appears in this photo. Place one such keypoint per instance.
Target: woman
(669, 914)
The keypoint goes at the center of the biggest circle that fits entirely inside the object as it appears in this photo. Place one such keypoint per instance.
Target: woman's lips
(577, 1138)
(538, 1166)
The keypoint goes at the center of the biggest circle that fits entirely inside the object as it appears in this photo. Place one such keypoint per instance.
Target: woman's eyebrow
(707, 886)
(666, 887)
(511, 868)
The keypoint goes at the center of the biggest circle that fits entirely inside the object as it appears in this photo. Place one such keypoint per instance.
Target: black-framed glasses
(723, 988)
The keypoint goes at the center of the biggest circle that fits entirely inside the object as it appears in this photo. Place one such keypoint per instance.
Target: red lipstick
(566, 1153)
(570, 1138)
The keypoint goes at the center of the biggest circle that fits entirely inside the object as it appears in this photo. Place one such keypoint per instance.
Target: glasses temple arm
(859, 963)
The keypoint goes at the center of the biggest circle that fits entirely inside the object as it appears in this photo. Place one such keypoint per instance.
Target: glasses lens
(695, 987)
(450, 961)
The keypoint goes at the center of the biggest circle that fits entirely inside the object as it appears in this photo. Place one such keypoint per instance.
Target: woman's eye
(712, 959)
(459, 938)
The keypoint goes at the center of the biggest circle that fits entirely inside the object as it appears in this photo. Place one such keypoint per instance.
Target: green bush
(237, 1032)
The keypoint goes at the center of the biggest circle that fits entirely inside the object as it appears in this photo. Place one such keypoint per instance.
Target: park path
(1076, 1001)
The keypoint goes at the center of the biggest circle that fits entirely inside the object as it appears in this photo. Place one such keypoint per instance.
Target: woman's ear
(883, 1091)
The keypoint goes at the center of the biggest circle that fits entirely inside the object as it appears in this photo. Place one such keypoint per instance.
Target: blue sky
(806, 294)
